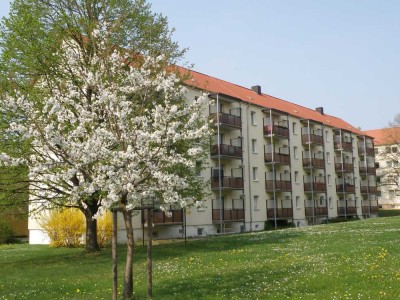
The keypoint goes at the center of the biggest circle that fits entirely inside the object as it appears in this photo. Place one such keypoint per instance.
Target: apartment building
(271, 162)
(387, 154)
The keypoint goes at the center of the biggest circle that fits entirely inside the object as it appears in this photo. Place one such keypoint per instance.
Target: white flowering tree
(34, 65)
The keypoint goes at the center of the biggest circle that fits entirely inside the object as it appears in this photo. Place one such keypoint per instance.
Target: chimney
(256, 89)
(320, 110)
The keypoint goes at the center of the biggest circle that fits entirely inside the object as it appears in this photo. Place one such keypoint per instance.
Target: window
(295, 152)
(254, 145)
(294, 127)
(328, 157)
(321, 200)
(329, 179)
(198, 168)
(394, 149)
(391, 194)
(253, 118)
(255, 171)
(296, 176)
(395, 163)
(388, 149)
(330, 202)
(297, 201)
(256, 203)
(326, 135)
(376, 150)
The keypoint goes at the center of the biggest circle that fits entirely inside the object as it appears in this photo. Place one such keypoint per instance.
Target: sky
(342, 55)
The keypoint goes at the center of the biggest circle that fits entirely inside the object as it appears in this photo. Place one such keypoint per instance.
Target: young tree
(34, 65)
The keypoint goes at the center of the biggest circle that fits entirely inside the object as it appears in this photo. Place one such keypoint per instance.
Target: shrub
(65, 227)
(6, 232)
(104, 229)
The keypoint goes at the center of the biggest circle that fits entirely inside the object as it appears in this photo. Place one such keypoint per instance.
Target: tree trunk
(150, 253)
(128, 276)
(91, 230)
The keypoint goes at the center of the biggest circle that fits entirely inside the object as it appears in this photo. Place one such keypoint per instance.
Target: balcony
(162, 218)
(280, 185)
(279, 130)
(313, 163)
(366, 150)
(227, 183)
(226, 120)
(343, 166)
(346, 208)
(233, 214)
(226, 151)
(368, 189)
(315, 137)
(370, 170)
(317, 185)
(271, 156)
(316, 211)
(284, 209)
(345, 188)
(345, 146)
(370, 208)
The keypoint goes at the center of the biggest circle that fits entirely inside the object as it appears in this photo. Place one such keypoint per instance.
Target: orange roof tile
(385, 136)
(215, 85)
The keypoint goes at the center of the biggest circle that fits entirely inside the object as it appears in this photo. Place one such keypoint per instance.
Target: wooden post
(114, 255)
(149, 253)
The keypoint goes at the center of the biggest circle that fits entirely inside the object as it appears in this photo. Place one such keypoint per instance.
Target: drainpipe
(248, 166)
(273, 168)
(219, 171)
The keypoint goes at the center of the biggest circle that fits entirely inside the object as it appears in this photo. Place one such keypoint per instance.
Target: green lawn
(352, 260)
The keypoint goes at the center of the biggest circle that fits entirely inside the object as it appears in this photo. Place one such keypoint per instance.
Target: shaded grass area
(352, 260)
(389, 212)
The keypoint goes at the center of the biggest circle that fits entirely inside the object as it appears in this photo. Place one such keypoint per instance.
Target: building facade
(387, 156)
(271, 163)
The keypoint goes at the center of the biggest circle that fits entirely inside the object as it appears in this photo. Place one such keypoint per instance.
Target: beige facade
(270, 167)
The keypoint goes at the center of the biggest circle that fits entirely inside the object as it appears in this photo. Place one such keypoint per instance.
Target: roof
(215, 85)
(385, 136)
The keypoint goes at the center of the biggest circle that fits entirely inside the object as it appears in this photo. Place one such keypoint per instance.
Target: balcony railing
(346, 146)
(277, 130)
(311, 137)
(280, 185)
(347, 211)
(315, 186)
(371, 170)
(227, 183)
(318, 211)
(369, 150)
(226, 119)
(227, 151)
(278, 158)
(233, 214)
(370, 209)
(313, 163)
(160, 217)
(371, 189)
(281, 213)
(345, 188)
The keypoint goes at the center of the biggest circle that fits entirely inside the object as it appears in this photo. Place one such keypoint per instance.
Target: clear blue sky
(343, 55)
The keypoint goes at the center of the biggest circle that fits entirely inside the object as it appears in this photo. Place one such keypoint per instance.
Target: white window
(326, 135)
(297, 201)
(295, 152)
(328, 157)
(255, 171)
(296, 176)
(253, 118)
(329, 179)
(294, 127)
(256, 203)
(330, 201)
(254, 145)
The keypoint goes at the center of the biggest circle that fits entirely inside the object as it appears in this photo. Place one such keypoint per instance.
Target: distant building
(387, 154)
(271, 162)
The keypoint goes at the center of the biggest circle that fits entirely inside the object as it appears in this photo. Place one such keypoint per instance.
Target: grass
(352, 260)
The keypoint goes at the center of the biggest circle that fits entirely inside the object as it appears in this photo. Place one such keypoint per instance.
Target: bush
(6, 232)
(104, 229)
(66, 227)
